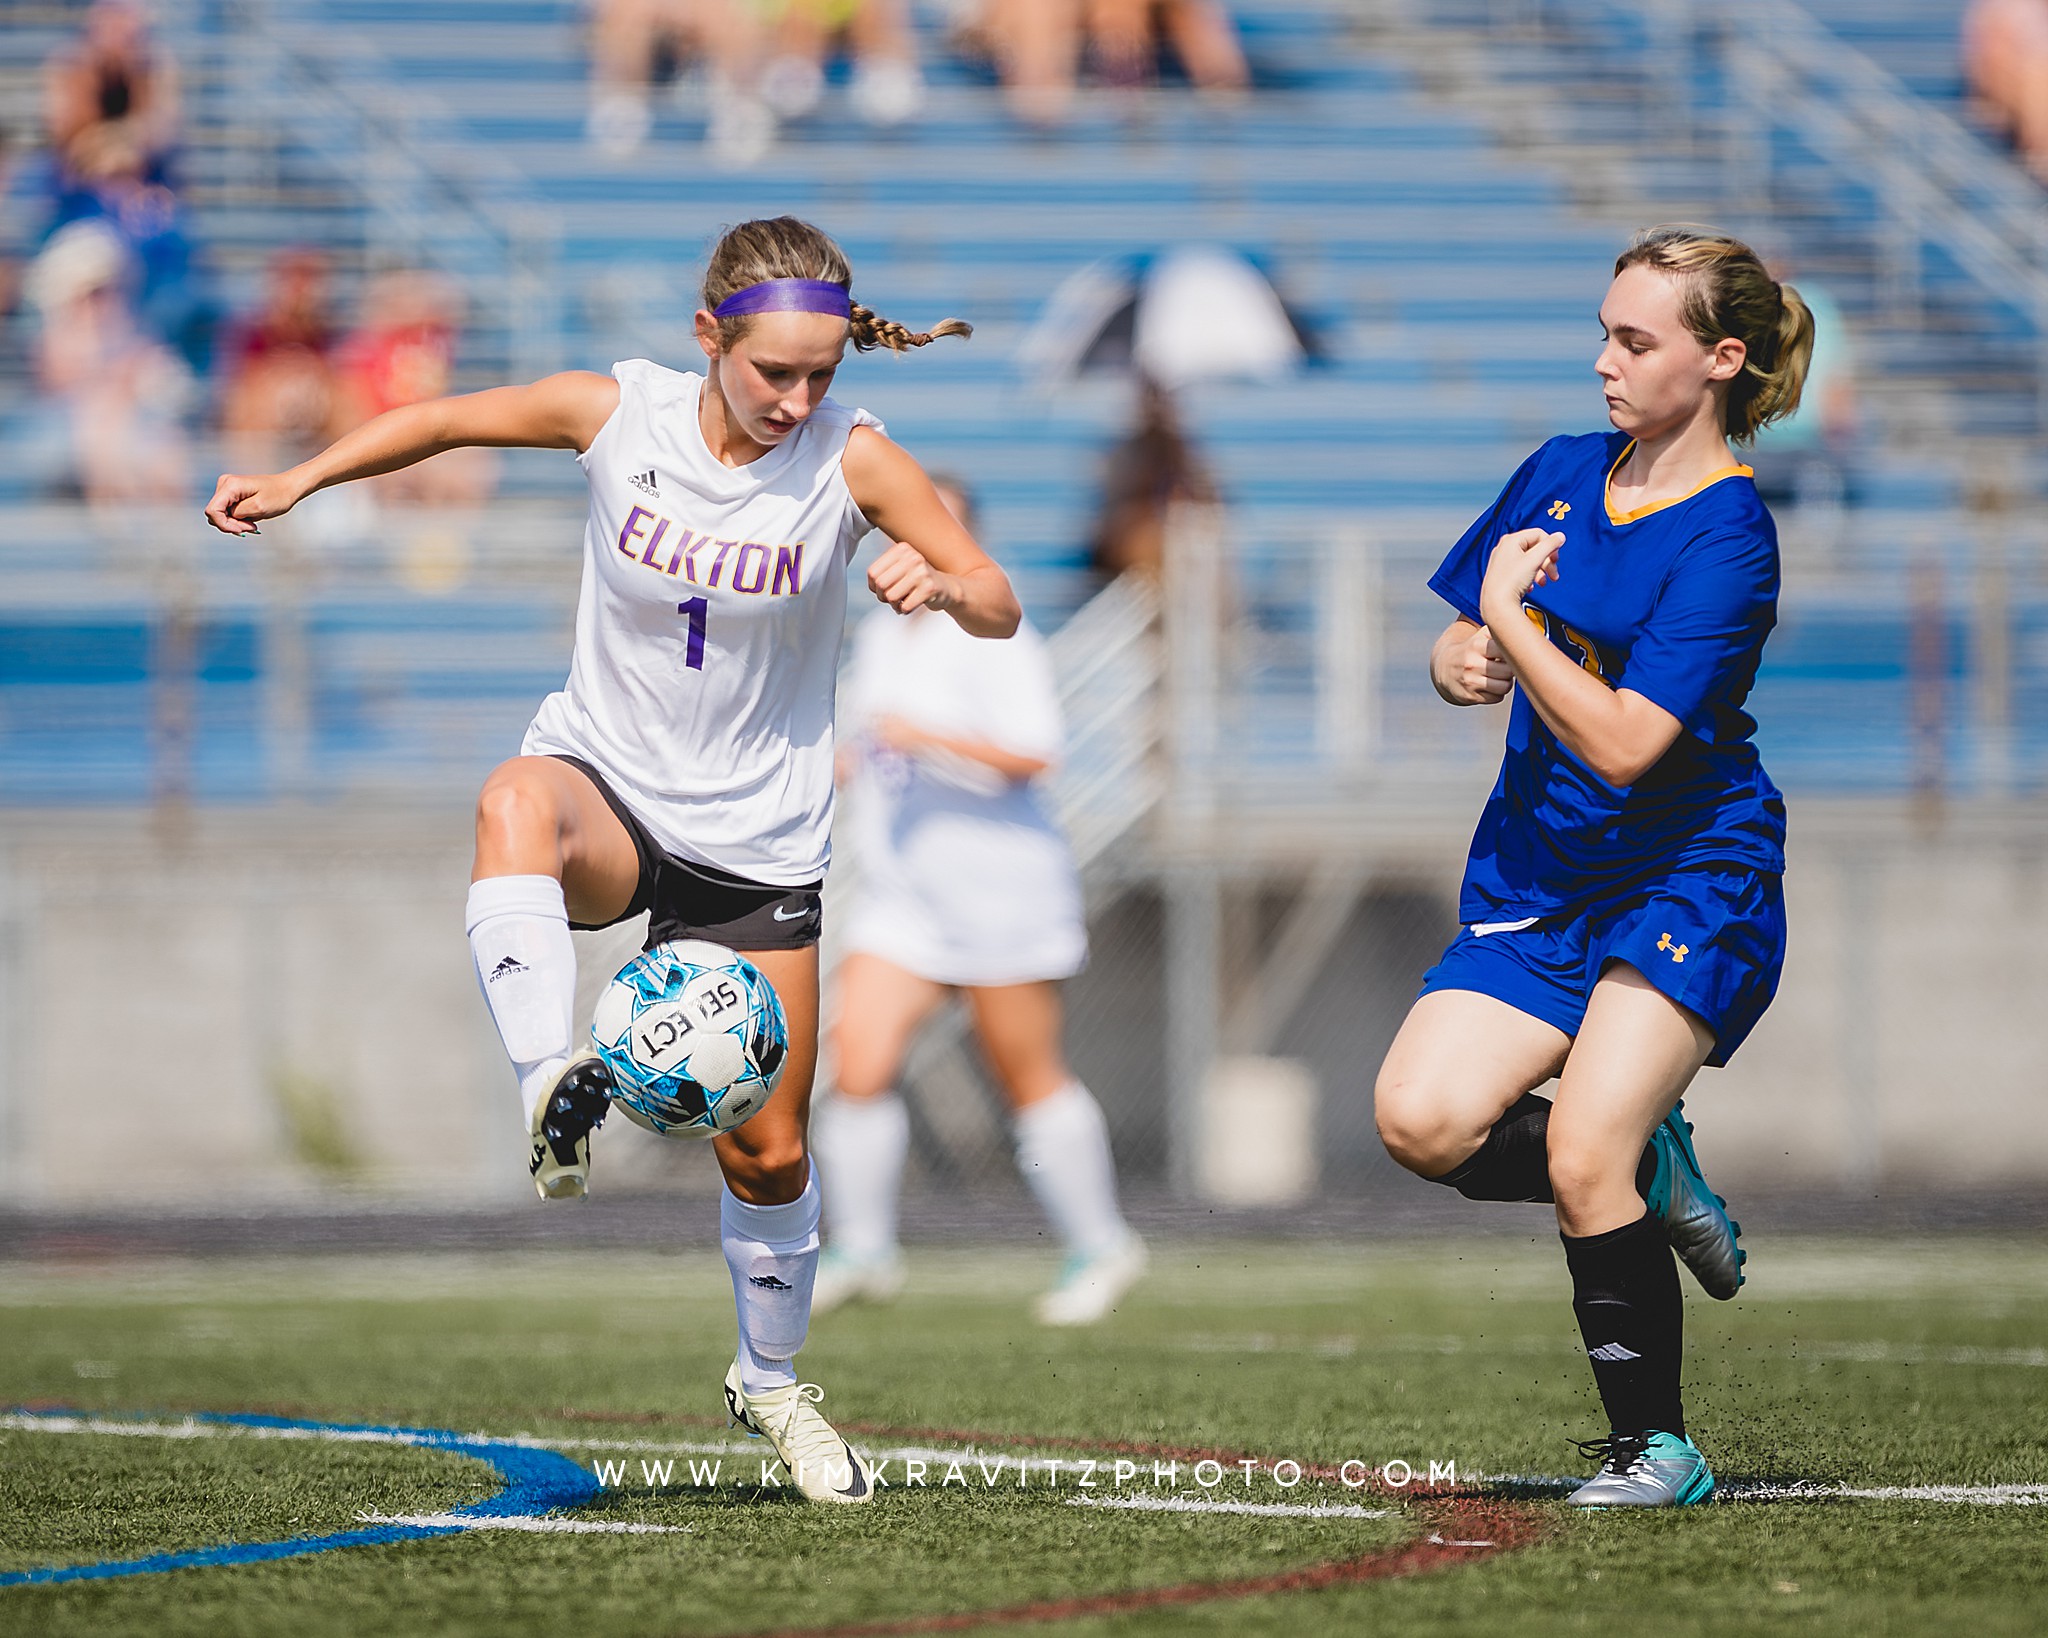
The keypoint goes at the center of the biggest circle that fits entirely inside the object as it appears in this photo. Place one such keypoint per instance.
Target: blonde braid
(782, 247)
(870, 330)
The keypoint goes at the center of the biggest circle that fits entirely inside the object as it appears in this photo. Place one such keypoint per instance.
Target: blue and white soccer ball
(694, 1036)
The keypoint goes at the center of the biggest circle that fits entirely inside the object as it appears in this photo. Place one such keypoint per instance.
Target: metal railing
(1932, 182)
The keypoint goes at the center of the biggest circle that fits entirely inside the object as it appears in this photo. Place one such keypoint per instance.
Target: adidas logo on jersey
(643, 481)
(505, 968)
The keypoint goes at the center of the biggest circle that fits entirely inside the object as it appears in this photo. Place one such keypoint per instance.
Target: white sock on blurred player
(860, 1144)
(773, 1254)
(1063, 1152)
(519, 934)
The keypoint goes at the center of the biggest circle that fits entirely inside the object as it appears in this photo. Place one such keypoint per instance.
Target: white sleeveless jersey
(707, 635)
(965, 877)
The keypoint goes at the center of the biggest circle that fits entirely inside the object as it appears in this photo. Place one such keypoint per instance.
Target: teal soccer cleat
(1695, 1219)
(1651, 1469)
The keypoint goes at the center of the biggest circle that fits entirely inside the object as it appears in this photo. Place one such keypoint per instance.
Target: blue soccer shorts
(1711, 940)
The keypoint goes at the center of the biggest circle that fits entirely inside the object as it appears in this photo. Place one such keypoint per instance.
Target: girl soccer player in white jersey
(686, 770)
(968, 885)
(1624, 923)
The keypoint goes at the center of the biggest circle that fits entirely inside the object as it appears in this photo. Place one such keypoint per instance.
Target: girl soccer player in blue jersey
(1624, 923)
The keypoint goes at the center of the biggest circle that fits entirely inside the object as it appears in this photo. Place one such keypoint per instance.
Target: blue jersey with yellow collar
(1673, 601)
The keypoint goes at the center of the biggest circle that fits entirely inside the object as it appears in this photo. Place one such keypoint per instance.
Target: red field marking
(1463, 1528)
(1501, 1528)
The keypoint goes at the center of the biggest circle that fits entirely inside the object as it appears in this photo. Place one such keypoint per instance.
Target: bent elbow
(1621, 769)
(1004, 618)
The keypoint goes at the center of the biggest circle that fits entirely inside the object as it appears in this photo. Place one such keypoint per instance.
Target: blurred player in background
(968, 885)
(686, 770)
(1624, 916)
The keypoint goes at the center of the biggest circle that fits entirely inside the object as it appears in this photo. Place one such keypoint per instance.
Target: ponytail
(1724, 291)
(1779, 384)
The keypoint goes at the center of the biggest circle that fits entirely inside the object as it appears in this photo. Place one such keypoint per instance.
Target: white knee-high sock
(1063, 1152)
(773, 1254)
(519, 934)
(859, 1145)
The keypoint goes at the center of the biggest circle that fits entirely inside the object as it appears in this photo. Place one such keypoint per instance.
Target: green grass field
(1853, 1367)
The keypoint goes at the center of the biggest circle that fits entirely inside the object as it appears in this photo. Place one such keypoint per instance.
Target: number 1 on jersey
(697, 609)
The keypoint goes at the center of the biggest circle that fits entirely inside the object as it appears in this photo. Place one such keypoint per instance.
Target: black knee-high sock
(1625, 1293)
(1514, 1161)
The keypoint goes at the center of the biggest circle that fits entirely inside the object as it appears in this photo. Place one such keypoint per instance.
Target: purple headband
(788, 296)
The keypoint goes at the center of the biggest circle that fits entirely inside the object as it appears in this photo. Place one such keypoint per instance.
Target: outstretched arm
(901, 734)
(935, 563)
(560, 412)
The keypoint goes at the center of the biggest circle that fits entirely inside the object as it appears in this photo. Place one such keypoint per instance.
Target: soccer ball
(694, 1036)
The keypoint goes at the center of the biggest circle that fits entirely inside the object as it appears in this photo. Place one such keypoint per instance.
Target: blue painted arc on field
(536, 1481)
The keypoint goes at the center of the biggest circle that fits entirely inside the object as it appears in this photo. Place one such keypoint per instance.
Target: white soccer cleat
(1091, 1287)
(820, 1463)
(843, 1279)
(574, 1107)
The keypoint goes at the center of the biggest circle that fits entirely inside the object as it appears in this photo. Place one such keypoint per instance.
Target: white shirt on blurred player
(965, 877)
(708, 630)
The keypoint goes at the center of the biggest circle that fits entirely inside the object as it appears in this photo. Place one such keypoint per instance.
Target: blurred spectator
(278, 397)
(1152, 471)
(10, 226)
(110, 110)
(888, 86)
(403, 351)
(123, 394)
(110, 99)
(1037, 47)
(2005, 60)
(631, 40)
(1129, 35)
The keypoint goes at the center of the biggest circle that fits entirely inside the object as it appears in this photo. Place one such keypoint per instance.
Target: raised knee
(1414, 1132)
(511, 805)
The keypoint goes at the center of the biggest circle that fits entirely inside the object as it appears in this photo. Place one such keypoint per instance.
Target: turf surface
(1864, 1366)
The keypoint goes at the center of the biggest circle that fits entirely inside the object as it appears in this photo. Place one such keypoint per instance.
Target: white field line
(1913, 1353)
(1764, 1490)
(1343, 1347)
(189, 1429)
(528, 1522)
(1263, 1510)
(1974, 1495)
(975, 1466)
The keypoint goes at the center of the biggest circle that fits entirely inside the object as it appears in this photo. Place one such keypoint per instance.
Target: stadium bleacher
(1452, 281)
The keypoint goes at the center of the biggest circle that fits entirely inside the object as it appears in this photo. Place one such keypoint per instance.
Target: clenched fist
(239, 503)
(903, 579)
(1469, 667)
